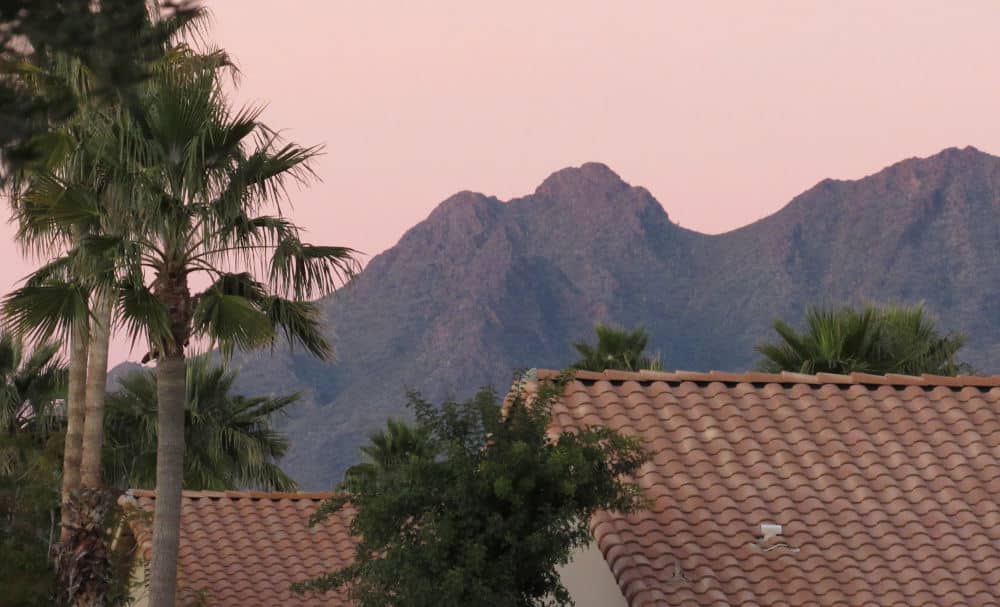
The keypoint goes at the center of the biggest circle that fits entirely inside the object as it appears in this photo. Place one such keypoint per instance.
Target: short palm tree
(390, 447)
(891, 339)
(615, 349)
(229, 440)
(32, 384)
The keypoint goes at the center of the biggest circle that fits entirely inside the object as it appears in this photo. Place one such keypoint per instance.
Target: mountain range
(483, 287)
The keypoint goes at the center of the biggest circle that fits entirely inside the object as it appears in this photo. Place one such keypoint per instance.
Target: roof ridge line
(785, 377)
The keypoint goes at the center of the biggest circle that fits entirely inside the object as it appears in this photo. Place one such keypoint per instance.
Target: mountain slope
(482, 287)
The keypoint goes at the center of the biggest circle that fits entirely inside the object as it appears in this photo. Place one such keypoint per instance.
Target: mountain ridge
(483, 286)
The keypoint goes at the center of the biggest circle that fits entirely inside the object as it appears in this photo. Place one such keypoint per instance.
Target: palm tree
(615, 349)
(892, 339)
(37, 190)
(46, 191)
(32, 383)
(388, 448)
(229, 441)
(205, 182)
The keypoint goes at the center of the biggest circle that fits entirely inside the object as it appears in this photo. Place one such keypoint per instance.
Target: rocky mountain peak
(951, 164)
(460, 216)
(584, 181)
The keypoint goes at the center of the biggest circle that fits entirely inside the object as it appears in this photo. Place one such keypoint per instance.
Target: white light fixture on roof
(769, 530)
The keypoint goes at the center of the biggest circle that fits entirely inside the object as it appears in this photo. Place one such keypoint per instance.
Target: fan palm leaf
(615, 349)
(875, 339)
(230, 440)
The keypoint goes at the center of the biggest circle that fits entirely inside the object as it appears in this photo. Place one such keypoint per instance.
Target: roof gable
(886, 487)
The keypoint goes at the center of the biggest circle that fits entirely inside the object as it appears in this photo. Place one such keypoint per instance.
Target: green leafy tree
(890, 339)
(484, 511)
(615, 349)
(31, 385)
(229, 439)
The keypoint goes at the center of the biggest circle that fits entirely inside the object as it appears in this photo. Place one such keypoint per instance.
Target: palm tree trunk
(171, 288)
(75, 398)
(97, 378)
(170, 395)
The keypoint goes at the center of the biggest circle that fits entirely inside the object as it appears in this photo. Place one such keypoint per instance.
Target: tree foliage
(615, 349)
(875, 339)
(29, 517)
(114, 40)
(229, 439)
(484, 510)
(201, 185)
(388, 448)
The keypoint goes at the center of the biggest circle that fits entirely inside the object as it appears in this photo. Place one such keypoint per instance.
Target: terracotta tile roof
(888, 488)
(246, 548)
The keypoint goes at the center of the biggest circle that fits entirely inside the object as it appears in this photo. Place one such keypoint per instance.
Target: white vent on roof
(769, 530)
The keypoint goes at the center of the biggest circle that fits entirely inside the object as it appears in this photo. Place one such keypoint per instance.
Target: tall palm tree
(615, 349)
(63, 197)
(229, 440)
(890, 339)
(206, 183)
(59, 166)
(39, 186)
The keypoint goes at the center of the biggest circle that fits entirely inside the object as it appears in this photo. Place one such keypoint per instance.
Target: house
(763, 489)
(245, 549)
(796, 489)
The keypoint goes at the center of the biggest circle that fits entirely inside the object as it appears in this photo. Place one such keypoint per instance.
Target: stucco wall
(590, 581)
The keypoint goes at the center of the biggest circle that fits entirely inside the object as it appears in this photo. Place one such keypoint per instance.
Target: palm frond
(300, 323)
(51, 204)
(305, 270)
(876, 339)
(140, 313)
(229, 440)
(231, 321)
(615, 349)
(46, 310)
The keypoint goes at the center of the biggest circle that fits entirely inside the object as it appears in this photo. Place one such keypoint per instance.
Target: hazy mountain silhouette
(482, 287)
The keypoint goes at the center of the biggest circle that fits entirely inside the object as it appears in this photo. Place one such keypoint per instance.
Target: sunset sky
(723, 110)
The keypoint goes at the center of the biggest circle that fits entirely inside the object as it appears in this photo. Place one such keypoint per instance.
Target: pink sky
(723, 110)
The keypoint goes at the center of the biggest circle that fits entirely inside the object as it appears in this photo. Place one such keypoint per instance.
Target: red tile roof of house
(887, 488)
(245, 549)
